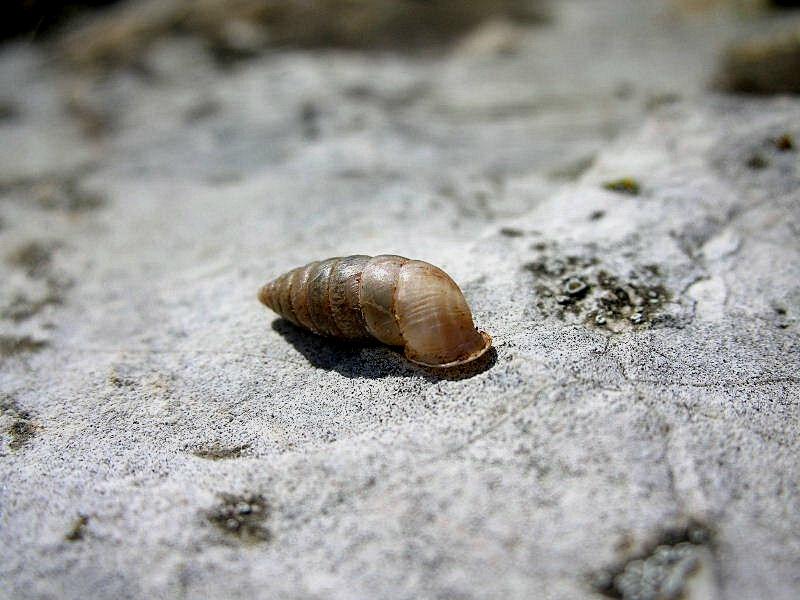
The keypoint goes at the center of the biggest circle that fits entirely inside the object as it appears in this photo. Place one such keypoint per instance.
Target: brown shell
(399, 301)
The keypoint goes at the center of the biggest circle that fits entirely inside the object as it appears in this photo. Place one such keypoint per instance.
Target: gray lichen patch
(662, 573)
(21, 427)
(511, 232)
(67, 195)
(46, 287)
(220, 452)
(242, 516)
(34, 257)
(581, 289)
(22, 306)
(11, 345)
(21, 431)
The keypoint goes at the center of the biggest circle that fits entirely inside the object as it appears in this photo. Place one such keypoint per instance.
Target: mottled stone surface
(164, 437)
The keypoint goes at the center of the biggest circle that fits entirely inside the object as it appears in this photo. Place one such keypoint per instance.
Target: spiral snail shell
(396, 300)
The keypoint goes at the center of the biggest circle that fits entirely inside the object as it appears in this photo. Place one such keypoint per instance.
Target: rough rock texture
(635, 436)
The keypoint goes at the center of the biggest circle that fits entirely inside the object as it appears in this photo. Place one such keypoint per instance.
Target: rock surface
(635, 436)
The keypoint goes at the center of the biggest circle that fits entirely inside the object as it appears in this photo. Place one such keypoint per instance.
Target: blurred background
(614, 185)
(402, 124)
(247, 82)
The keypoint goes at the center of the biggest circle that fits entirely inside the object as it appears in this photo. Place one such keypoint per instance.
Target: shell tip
(265, 295)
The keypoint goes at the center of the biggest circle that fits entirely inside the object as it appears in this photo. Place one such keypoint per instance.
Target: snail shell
(396, 300)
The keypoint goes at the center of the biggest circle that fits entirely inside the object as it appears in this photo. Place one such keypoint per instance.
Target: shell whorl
(398, 301)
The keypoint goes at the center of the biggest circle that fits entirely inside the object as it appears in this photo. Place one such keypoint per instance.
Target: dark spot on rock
(22, 427)
(78, 529)
(95, 121)
(661, 571)
(757, 161)
(11, 345)
(21, 431)
(224, 177)
(624, 90)
(766, 64)
(201, 111)
(120, 381)
(546, 266)
(597, 215)
(359, 91)
(653, 270)
(625, 185)
(511, 232)
(242, 516)
(782, 320)
(8, 110)
(656, 101)
(574, 170)
(539, 246)
(218, 452)
(597, 297)
(309, 120)
(575, 288)
(68, 196)
(22, 307)
(784, 142)
(32, 257)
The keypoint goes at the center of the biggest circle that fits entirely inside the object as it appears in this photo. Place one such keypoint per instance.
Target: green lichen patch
(660, 573)
(219, 452)
(242, 516)
(624, 185)
(77, 530)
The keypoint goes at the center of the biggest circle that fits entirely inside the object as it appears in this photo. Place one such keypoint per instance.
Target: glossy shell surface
(398, 301)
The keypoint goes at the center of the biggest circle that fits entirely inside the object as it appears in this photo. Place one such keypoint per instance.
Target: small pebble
(574, 286)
